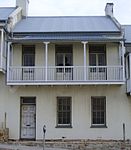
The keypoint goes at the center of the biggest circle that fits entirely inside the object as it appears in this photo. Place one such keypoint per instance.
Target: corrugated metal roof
(66, 24)
(5, 12)
(127, 33)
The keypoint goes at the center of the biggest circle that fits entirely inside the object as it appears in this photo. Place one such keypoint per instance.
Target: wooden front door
(28, 119)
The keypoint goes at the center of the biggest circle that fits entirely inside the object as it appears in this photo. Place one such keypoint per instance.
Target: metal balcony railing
(64, 74)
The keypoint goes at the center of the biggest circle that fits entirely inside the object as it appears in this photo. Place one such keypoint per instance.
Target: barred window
(63, 111)
(98, 108)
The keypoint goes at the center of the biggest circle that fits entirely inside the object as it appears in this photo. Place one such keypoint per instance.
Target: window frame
(58, 125)
(127, 66)
(97, 50)
(28, 50)
(64, 51)
(102, 125)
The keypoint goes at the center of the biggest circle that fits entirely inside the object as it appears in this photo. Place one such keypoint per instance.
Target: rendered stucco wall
(78, 54)
(112, 54)
(2, 51)
(118, 110)
(118, 105)
(17, 55)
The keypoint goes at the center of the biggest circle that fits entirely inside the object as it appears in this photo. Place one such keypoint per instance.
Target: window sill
(98, 126)
(63, 126)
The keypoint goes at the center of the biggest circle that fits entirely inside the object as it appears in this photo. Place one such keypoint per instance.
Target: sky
(122, 8)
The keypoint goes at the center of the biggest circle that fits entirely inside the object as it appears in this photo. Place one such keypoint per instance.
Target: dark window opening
(97, 57)
(98, 108)
(64, 111)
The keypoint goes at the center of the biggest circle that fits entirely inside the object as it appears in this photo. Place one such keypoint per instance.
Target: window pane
(64, 110)
(68, 59)
(92, 60)
(28, 60)
(128, 67)
(101, 60)
(28, 55)
(98, 110)
(64, 55)
(59, 60)
(97, 55)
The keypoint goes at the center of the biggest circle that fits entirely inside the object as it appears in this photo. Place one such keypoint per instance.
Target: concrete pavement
(21, 147)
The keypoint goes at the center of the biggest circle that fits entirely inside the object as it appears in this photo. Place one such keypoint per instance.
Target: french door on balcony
(28, 61)
(64, 70)
(97, 62)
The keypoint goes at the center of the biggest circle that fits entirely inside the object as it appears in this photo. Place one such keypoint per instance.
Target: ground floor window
(64, 111)
(98, 111)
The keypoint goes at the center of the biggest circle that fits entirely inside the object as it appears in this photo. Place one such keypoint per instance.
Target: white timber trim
(46, 59)
(85, 71)
(120, 54)
(130, 63)
(123, 62)
(66, 83)
(8, 60)
(2, 43)
(11, 55)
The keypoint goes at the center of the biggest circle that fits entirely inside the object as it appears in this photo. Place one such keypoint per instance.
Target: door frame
(64, 49)
(21, 103)
(26, 48)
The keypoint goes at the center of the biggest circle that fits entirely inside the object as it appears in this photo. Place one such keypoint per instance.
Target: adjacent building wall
(2, 50)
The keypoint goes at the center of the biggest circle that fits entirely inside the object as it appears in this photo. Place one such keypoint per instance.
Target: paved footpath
(21, 147)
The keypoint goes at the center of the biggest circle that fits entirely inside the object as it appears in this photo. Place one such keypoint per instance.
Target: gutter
(82, 33)
(21, 40)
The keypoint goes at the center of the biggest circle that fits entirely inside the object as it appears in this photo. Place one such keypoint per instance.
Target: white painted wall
(0, 48)
(118, 110)
(78, 54)
(2, 102)
(17, 55)
(2, 51)
(118, 105)
(112, 53)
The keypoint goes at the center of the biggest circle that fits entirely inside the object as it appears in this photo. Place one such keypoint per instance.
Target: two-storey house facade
(67, 73)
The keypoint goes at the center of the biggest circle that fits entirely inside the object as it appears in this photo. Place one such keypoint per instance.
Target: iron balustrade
(65, 73)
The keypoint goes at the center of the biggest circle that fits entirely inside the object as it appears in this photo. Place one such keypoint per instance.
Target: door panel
(28, 61)
(28, 121)
(64, 60)
(97, 58)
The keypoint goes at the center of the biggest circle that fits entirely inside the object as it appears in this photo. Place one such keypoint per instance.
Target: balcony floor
(66, 83)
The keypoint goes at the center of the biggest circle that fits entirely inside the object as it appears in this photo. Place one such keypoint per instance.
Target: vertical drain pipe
(124, 132)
